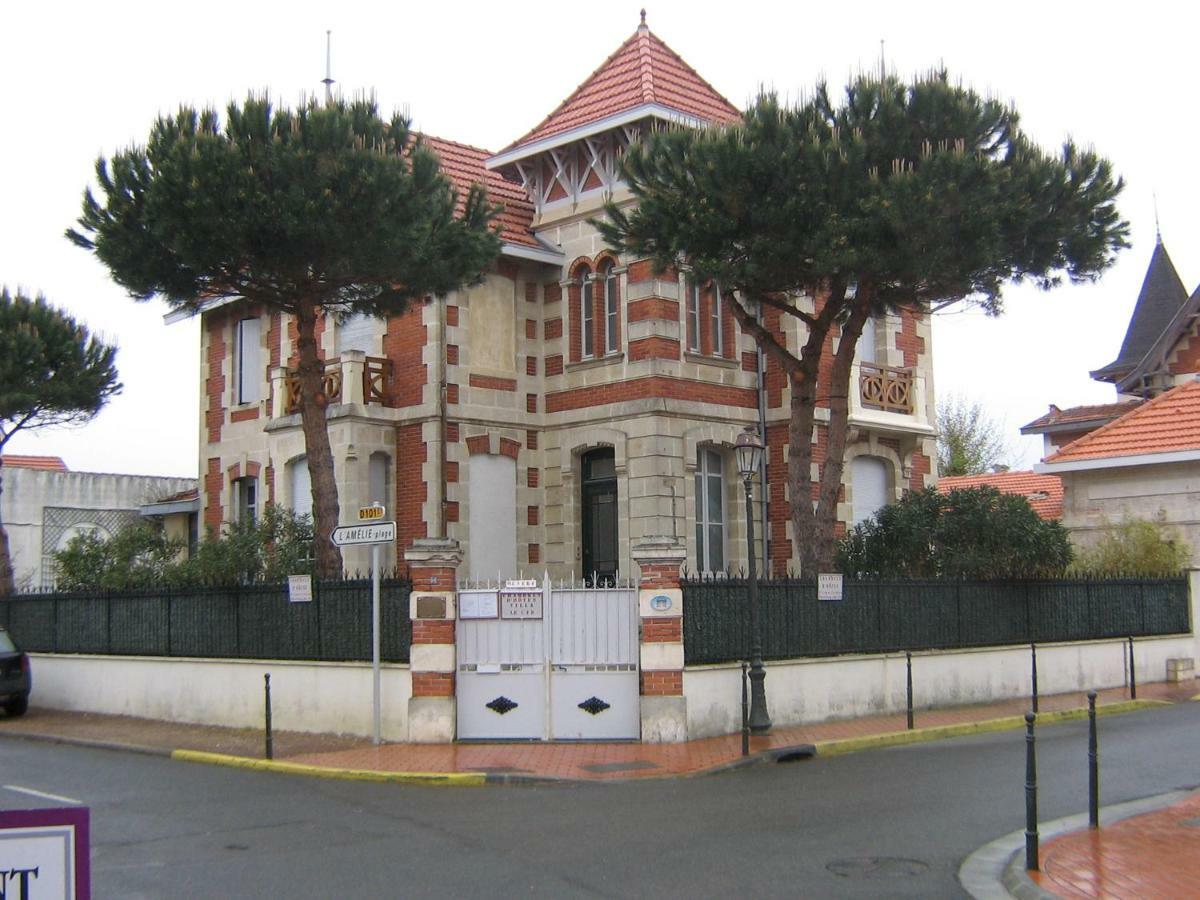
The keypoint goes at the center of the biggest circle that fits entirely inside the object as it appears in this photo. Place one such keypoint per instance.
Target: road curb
(449, 779)
(89, 743)
(986, 726)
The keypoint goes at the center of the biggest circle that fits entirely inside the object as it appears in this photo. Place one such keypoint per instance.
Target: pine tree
(901, 197)
(52, 372)
(325, 210)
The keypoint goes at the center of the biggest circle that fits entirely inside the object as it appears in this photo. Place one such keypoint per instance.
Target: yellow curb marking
(1007, 723)
(455, 779)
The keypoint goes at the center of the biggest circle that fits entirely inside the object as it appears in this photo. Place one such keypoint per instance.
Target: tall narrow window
(611, 305)
(692, 312)
(248, 358)
(357, 332)
(867, 342)
(598, 516)
(492, 517)
(245, 499)
(710, 511)
(301, 486)
(377, 477)
(587, 315)
(716, 342)
(868, 485)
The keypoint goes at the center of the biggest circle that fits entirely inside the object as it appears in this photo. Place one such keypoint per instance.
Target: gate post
(433, 566)
(660, 609)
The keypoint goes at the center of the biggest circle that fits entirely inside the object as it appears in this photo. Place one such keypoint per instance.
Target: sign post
(375, 533)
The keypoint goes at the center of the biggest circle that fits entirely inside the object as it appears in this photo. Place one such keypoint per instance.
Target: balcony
(885, 388)
(353, 378)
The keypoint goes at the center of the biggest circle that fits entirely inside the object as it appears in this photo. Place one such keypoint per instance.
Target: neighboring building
(45, 505)
(1044, 492)
(573, 404)
(1144, 465)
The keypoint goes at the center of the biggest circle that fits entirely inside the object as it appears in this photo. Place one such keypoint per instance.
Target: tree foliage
(976, 533)
(52, 372)
(970, 441)
(278, 544)
(900, 197)
(327, 209)
(1135, 547)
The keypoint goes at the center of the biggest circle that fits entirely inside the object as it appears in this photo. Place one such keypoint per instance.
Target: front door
(599, 517)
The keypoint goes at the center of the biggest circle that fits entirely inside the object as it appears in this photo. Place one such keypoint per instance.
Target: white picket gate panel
(570, 675)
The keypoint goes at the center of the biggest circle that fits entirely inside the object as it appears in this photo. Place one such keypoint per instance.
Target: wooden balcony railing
(376, 373)
(886, 388)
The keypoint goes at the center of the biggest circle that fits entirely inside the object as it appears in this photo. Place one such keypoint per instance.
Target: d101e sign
(44, 854)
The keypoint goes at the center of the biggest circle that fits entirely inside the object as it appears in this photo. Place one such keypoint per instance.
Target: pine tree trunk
(6, 570)
(316, 441)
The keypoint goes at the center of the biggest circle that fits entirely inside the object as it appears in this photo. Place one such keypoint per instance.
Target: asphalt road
(890, 823)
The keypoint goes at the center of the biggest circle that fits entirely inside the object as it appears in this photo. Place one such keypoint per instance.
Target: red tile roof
(1044, 492)
(463, 164)
(642, 70)
(1168, 423)
(48, 463)
(1076, 415)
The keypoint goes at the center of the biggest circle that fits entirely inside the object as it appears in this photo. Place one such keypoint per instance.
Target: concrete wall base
(431, 720)
(664, 720)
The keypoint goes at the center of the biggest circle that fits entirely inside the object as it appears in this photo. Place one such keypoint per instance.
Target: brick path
(1153, 855)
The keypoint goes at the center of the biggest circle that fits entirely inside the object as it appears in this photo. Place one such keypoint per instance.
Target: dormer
(569, 163)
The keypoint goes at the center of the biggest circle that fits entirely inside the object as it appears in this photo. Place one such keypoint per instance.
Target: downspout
(440, 531)
(760, 373)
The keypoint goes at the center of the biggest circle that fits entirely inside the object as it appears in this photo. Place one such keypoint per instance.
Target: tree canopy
(899, 197)
(1135, 547)
(975, 533)
(52, 372)
(325, 209)
(970, 442)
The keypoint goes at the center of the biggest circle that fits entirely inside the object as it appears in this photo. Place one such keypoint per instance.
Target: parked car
(14, 676)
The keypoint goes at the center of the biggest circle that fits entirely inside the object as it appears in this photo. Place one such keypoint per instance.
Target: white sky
(84, 79)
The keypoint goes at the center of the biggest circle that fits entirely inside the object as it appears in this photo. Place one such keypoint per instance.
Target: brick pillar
(660, 606)
(433, 565)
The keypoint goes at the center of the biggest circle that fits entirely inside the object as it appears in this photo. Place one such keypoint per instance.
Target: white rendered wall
(313, 697)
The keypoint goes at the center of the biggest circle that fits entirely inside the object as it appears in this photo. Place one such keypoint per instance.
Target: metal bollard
(1031, 816)
(908, 661)
(1033, 656)
(1093, 765)
(745, 715)
(1132, 673)
(270, 750)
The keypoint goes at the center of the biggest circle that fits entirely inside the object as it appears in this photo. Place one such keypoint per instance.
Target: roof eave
(1060, 427)
(1117, 462)
(599, 126)
(170, 507)
(535, 254)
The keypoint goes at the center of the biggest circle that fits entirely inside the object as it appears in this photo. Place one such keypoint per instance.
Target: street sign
(375, 533)
(370, 513)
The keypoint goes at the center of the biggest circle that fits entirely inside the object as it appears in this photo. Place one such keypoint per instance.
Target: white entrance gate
(543, 663)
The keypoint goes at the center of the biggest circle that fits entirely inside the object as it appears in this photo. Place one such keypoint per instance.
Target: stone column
(433, 565)
(660, 607)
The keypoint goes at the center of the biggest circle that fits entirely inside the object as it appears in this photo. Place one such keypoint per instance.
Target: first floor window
(245, 499)
(869, 486)
(710, 511)
(248, 359)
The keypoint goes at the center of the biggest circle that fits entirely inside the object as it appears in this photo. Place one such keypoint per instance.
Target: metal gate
(543, 663)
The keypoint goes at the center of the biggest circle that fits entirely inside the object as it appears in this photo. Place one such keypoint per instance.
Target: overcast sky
(84, 79)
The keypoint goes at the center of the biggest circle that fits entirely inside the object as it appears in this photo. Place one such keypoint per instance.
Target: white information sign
(478, 605)
(829, 587)
(375, 533)
(45, 853)
(300, 588)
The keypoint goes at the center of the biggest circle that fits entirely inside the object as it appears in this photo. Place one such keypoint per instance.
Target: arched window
(612, 301)
(587, 314)
(710, 510)
(868, 485)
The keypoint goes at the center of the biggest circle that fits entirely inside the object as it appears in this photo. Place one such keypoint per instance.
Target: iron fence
(892, 616)
(253, 621)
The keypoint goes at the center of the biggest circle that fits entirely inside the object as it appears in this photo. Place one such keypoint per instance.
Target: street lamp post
(749, 450)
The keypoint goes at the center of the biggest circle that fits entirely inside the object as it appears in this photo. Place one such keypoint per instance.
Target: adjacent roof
(183, 502)
(642, 72)
(1075, 418)
(1158, 305)
(463, 165)
(1164, 429)
(47, 463)
(1044, 492)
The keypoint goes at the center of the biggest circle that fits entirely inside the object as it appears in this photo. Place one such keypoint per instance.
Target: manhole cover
(877, 867)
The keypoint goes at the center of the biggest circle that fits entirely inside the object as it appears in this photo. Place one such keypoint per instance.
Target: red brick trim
(653, 308)
(554, 365)
(433, 684)
(451, 315)
(213, 482)
(552, 293)
(452, 354)
(531, 440)
(654, 348)
(552, 329)
(491, 383)
(656, 684)
(433, 631)
(244, 415)
(530, 329)
(662, 631)
(531, 477)
(478, 443)
(659, 575)
(653, 386)
(433, 578)
(509, 448)
(535, 553)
